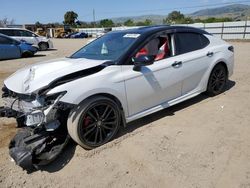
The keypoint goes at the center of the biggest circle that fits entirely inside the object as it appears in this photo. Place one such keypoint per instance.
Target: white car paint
(154, 88)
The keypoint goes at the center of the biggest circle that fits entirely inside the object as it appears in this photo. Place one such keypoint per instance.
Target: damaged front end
(43, 133)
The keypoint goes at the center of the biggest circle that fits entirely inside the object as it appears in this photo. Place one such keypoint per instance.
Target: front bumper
(44, 133)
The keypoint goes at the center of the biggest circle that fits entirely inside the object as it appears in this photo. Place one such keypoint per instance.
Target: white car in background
(116, 79)
(43, 43)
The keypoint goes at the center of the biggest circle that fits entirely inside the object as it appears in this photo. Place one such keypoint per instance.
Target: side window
(4, 40)
(159, 47)
(7, 32)
(25, 33)
(188, 42)
(17, 33)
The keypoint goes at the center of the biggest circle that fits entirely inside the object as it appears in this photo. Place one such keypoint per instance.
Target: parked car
(25, 35)
(70, 34)
(117, 78)
(79, 35)
(11, 48)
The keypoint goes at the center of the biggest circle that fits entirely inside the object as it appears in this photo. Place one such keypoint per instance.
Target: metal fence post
(222, 31)
(245, 29)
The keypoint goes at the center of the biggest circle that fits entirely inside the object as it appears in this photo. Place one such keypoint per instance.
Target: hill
(236, 11)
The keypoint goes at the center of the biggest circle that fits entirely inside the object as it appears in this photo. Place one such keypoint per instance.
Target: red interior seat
(163, 53)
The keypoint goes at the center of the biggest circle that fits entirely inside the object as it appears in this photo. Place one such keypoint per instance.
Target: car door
(153, 85)
(27, 36)
(191, 49)
(8, 49)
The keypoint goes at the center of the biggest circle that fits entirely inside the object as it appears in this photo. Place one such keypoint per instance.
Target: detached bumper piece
(31, 148)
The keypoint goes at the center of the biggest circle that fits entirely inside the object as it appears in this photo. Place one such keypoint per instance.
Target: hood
(37, 76)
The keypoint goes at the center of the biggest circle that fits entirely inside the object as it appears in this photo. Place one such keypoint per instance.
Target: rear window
(188, 42)
(7, 32)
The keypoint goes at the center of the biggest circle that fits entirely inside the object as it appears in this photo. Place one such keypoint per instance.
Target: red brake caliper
(86, 121)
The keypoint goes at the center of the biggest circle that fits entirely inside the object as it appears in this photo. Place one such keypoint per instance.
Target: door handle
(210, 54)
(177, 64)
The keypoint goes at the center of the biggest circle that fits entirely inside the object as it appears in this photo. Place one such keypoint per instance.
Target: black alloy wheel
(98, 123)
(217, 81)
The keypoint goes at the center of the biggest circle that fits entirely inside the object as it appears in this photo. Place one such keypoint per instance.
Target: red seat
(163, 53)
(143, 51)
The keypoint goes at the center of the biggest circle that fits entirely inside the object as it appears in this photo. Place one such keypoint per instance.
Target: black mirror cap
(143, 60)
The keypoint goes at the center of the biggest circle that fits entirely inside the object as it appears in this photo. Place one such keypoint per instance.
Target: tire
(217, 80)
(94, 122)
(43, 46)
(27, 54)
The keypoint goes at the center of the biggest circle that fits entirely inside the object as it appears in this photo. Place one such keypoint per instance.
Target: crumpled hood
(36, 76)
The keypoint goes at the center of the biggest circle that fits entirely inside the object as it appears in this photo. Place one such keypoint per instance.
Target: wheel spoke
(106, 127)
(89, 131)
(101, 139)
(107, 115)
(89, 126)
(105, 112)
(96, 135)
(110, 123)
(93, 117)
(96, 112)
(213, 84)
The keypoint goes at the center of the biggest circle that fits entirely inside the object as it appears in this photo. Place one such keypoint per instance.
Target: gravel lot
(203, 142)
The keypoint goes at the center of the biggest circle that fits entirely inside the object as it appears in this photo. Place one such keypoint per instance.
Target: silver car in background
(43, 43)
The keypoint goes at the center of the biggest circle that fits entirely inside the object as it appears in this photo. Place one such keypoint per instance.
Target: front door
(153, 85)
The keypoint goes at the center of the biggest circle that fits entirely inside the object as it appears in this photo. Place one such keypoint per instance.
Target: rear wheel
(217, 80)
(94, 122)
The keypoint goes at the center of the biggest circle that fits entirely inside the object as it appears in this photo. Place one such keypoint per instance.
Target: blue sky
(30, 11)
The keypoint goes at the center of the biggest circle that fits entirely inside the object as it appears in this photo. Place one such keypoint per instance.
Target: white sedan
(118, 78)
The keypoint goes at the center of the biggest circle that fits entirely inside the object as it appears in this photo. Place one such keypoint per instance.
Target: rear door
(191, 49)
(8, 49)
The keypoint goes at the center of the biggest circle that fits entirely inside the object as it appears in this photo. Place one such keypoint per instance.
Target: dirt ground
(203, 142)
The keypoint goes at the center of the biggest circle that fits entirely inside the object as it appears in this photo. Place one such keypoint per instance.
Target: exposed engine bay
(42, 122)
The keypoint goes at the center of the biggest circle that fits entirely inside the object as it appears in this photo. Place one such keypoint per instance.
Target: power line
(173, 8)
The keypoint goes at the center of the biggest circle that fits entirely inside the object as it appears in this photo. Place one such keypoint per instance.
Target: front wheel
(217, 80)
(43, 46)
(94, 122)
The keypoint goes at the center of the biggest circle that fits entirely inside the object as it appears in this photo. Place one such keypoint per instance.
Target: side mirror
(143, 60)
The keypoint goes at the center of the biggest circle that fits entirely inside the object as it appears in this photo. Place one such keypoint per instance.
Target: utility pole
(94, 16)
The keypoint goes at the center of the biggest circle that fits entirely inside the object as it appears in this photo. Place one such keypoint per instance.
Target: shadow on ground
(62, 160)
(167, 112)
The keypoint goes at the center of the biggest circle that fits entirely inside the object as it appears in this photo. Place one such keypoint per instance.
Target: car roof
(159, 28)
(7, 28)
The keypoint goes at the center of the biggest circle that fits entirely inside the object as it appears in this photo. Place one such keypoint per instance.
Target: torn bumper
(30, 149)
(44, 133)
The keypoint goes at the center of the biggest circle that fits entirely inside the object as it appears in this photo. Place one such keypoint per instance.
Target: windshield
(109, 47)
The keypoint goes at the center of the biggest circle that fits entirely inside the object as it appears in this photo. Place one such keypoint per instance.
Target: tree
(129, 22)
(5, 22)
(38, 25)
(70, 17)
(175, 17)
(147, 22)
(106, 23)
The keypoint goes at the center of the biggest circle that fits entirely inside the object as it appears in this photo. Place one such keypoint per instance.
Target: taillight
(231, 48)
